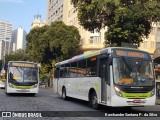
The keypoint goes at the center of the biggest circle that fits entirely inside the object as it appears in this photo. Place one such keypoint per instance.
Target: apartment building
(63, 10)
(5, 38)
(55, 10)
(151, 43)
(18, 39)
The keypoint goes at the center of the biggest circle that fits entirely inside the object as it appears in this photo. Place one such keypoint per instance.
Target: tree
(44, 72)
(127, 20)
(55, 42)
(19, 55)
(51, 44)
(37, 45)
(64, 40)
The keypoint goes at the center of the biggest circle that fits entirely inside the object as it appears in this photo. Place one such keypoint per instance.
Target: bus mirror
(39, 65)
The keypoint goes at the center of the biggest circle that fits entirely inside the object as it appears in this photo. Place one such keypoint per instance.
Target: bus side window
(61, 72)
(73, 69)
(65, 72)
(82, 68)
(56, 73)
(92, 66)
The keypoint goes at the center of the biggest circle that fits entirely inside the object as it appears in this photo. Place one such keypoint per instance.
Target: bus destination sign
(22, 64)
(131, 54)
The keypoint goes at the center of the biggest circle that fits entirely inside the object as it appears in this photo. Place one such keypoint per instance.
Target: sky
(21, 12)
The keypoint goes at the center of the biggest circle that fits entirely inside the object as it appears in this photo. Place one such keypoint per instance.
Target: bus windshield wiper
(128, 66)
(140, 64)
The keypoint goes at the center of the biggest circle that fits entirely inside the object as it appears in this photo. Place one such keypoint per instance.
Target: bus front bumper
(12, 90)
(120, 101)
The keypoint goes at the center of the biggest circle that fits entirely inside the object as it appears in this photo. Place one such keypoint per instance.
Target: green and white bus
(22, 77)
(113, 76)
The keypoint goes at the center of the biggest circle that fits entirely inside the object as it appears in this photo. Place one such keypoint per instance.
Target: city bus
(22, 77)
(114, 76)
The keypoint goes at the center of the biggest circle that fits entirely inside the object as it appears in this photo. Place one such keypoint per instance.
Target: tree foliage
(19, 55)
(127, 20)
(64, 40)
(44, 72)
(56, 42)
(37, 45)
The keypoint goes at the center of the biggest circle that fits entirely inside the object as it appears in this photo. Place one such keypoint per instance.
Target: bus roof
(95, 53)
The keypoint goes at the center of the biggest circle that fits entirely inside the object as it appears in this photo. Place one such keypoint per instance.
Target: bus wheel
(94, 101)
(64, 94)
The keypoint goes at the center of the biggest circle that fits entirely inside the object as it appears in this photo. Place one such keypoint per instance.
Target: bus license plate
(23, 90)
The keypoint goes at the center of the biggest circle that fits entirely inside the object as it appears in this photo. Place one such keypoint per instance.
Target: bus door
(103, 72)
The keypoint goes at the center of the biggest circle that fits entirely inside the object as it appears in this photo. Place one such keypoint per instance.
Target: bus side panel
(61, 83)
(55, 87)
(74, 87)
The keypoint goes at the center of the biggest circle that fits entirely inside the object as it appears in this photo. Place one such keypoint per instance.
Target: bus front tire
(64, 97)
(94, 101)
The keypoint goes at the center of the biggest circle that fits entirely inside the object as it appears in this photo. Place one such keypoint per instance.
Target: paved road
(47, 100)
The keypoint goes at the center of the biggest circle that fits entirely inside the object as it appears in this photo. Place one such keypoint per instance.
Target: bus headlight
(35, 85)
(118, 92)
(11, 85)
(152, 92)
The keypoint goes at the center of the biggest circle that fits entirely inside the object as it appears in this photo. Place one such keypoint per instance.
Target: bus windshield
(133, 72)
(23, 74)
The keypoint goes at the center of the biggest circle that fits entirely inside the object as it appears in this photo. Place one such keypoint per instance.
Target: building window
(153, 31)
(145, 44)
(157, 45)
(95, 39)
(158, 30)
(152, 44)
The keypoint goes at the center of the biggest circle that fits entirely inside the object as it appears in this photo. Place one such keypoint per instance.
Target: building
(55, 10)
(18, 40)
(151, 43)
(63, 10)
(5, 38)
(38, 22)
